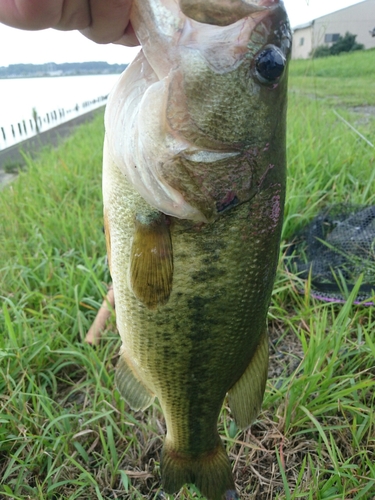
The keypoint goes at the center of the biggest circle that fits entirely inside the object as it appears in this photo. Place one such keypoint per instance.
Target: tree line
(54, 69)
(345, 43)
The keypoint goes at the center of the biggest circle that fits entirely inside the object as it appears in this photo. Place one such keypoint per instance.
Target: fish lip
(225, 12)
(269, 3)
(266, 4)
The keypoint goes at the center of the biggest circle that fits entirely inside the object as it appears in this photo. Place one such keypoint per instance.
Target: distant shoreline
(89, 68)
(20, 77)
(31, 146)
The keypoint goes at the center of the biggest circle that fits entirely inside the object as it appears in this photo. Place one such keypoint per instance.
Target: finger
(109, 20)
(129, 38)
(30, 15)
(75, 15)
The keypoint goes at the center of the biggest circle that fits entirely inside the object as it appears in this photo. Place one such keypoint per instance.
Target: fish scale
(193, 213)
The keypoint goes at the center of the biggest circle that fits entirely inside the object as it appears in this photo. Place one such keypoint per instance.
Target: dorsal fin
(107, 239)
(246, 396)
(131, 388)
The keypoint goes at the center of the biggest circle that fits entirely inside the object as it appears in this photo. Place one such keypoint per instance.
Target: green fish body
(193, 187)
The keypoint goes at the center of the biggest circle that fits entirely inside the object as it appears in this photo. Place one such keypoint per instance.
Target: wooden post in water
(35, 118)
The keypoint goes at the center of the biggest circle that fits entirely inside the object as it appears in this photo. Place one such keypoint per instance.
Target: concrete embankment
(12, 157)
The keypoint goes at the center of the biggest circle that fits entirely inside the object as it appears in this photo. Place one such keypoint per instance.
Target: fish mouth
(224, 12)
(268, 3)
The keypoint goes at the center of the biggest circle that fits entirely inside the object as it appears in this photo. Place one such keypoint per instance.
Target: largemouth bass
(194, 186)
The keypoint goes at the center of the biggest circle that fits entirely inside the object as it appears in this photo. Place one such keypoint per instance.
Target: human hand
(101, 21)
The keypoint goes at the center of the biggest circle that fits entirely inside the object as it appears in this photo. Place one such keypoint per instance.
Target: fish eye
(269, 65)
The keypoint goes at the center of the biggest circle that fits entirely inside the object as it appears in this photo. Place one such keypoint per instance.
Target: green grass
(64, 431)
(346, 78)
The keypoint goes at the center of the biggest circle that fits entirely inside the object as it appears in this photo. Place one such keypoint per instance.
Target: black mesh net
(337, 247)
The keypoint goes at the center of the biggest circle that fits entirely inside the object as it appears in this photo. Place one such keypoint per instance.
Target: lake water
(55, 100)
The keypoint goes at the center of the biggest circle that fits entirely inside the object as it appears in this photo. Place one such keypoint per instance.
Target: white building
(358, 19)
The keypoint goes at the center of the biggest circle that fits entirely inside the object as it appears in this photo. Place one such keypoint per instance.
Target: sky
(18, 46)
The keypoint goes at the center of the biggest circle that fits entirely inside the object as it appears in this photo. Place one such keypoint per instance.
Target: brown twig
(100, 321)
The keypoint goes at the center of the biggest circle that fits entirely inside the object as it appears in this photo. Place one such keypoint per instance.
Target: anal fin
(246, 396)
(151, 260)
(131, 387)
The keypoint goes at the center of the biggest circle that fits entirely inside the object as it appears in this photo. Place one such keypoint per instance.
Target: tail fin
(210, 472)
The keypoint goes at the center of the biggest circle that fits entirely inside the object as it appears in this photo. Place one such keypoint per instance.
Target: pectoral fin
(130, 386)
(151, 260)
(246, 396)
